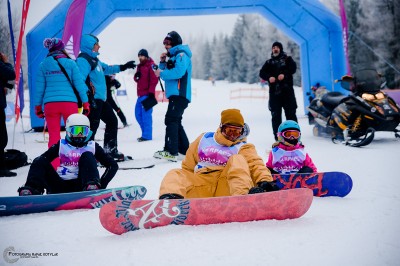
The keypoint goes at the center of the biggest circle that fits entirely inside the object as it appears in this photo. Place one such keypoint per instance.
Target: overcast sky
(124, 37)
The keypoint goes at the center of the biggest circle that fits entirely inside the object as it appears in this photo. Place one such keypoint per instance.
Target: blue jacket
(97, 75)
(53, 86)
(178, 79)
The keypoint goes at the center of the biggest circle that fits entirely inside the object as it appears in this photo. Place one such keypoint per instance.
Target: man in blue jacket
(94, 71)
(176, 72)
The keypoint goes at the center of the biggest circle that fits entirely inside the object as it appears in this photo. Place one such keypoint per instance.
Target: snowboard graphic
(126, 215)
(323, 184)
(68, 201)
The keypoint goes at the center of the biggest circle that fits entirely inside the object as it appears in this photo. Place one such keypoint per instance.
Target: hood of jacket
(87, 43)
(181, 48)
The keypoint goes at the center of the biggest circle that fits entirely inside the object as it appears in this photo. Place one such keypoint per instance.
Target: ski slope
(360, 229)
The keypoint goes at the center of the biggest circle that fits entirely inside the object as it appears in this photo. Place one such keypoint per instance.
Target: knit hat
(53, 44)
(279, 45)
(174, 37)
(232, 117)
(144, 53)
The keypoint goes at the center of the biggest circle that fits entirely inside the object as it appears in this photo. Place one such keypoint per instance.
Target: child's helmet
(289, 133)
(78, 130)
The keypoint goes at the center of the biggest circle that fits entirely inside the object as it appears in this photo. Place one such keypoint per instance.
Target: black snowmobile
(353, 119)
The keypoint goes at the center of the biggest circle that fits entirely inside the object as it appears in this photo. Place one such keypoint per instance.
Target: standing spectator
(176, 72)
(54, 89)
(146, 87)
(278, 71)
(94, 71)
(6, 73)
(112, 82)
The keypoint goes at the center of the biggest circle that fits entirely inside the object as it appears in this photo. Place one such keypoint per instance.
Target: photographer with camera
(7, 73)
(278, 71)
(94, 71)
(176, 72)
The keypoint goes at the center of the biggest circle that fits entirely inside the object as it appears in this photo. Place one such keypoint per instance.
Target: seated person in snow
(219, 163)
(288, 155)
(78, 163)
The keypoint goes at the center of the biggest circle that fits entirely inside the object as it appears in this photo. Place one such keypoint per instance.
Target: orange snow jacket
(242, 171)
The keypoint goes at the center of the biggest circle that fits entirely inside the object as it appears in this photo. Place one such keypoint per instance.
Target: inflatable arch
(307, 22)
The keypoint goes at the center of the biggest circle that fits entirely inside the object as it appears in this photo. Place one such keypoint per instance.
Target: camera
(154, 67)
(170, 64)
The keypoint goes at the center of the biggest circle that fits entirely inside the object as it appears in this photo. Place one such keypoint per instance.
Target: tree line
(374, 30)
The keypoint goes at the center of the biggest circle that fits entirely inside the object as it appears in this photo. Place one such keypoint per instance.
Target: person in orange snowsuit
(219, 163)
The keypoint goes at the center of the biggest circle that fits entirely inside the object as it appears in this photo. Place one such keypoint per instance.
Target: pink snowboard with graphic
(125, 215)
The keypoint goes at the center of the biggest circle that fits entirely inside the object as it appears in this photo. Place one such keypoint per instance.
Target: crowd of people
(219, 163)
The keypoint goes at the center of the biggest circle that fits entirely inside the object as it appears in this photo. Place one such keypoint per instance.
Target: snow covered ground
(360, 229)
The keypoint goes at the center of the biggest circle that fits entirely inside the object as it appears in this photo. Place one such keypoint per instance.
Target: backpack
(15, 159)
(93, 63)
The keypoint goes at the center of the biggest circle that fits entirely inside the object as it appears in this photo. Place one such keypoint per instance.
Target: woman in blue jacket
(54, 89)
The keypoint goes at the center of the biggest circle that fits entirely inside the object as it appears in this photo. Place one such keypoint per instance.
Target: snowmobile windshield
(367, 80)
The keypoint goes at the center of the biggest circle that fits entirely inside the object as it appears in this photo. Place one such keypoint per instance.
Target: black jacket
(6, 73)
(273, 67)
(101, 156)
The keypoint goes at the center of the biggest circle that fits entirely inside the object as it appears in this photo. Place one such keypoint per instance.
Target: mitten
(305, 169)
(268, 186)
(86, 109)
(130, 64)
(255, 190)
(38, 111)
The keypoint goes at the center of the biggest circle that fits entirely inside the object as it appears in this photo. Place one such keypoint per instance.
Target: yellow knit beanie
(232, 117)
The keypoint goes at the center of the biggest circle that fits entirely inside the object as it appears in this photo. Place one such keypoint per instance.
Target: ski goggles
(231, 130)
(79, 131)
(291, 134)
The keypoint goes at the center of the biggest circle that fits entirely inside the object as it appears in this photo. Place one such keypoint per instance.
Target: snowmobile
(353, 119)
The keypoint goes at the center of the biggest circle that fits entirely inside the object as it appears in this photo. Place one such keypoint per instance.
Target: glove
(130, 64)
(305, 169)
(86, 109)
(116, 83)
(268, 186)
(38, 111)
(255, 190)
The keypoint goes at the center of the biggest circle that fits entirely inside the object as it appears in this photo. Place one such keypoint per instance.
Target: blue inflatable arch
(307, 22)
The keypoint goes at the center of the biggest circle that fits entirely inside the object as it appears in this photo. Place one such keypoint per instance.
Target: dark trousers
(175, 136)
(105, 113)
(287, 101)
(116, 108)
(42, 176)
(3, 138)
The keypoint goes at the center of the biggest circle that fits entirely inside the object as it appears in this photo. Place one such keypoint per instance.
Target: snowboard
(323, 184)
(137, 164)
(126, 215)
(68, 201)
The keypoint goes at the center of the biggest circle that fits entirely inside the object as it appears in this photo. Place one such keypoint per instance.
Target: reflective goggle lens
(232, 130)
(291, 134)
(79, 130)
